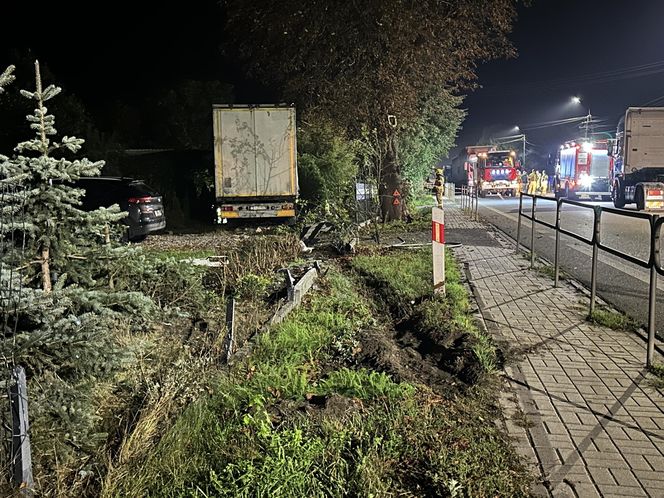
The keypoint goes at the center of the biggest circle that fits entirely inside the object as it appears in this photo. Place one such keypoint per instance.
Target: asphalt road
(621, 283)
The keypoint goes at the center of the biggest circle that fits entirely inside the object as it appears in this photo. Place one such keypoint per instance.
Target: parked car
(144, 204)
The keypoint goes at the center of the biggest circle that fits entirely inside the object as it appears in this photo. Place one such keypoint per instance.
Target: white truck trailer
(255, 154)
(638, 175)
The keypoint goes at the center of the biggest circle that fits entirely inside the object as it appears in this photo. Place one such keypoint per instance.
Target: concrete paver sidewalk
(578, 400)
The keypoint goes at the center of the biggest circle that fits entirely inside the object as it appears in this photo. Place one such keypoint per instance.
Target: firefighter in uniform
(544, 182)
(439, 187)
(519, 183)
(532, 183)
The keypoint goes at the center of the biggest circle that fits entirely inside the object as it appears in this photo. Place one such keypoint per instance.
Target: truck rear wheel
(640, 198)
(618, 196)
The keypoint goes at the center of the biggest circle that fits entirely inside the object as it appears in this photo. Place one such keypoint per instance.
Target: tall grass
(283, 423)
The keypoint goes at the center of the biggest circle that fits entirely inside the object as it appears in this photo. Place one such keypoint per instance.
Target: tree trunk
(391, 204)
(46, 270)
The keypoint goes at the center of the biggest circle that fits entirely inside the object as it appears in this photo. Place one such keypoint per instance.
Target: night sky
(607, 52)
(570, 47)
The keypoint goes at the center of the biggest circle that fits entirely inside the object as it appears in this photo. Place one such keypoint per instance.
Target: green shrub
(251, 285)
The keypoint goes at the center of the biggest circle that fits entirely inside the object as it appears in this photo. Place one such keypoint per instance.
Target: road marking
(507, 215)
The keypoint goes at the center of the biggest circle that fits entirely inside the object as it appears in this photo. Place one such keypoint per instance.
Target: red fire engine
(584, 171)
(496, 170)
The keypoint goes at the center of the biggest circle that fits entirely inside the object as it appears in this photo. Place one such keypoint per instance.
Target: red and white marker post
(438, 249)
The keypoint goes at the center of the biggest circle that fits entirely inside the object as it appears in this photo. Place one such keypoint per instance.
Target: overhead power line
(642, 70)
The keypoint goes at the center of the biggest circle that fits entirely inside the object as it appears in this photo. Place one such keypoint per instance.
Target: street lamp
(523, 137)
(576, 100)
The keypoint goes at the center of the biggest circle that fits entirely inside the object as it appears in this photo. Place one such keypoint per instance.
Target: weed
(250, 285)
(521, 419)
(546, 271)
(613, 320)
(658, 371)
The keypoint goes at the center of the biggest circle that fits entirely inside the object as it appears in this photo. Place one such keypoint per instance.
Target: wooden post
(438, 249)
(21, 455)
(230, 328)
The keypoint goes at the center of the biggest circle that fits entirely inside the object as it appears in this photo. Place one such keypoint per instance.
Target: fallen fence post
(290, 283)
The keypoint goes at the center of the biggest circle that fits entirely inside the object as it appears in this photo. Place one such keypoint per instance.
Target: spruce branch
(6, 78)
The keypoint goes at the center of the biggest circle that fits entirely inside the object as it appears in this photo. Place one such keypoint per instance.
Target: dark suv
(144, 205)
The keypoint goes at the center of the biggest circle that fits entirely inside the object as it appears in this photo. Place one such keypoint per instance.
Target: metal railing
(653, 263)
(469, 200)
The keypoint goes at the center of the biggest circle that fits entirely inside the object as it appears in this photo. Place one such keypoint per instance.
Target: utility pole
(523, 162)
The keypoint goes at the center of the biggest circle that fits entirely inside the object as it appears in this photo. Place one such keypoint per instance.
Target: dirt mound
(384, 350)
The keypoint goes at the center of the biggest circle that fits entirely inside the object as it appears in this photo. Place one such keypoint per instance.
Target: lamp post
(523, 138)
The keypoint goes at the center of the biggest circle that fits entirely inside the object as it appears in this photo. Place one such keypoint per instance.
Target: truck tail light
(654, 193)
(227, 208)
(288, 205)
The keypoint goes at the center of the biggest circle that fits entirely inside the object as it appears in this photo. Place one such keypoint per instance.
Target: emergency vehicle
(496, 170)
(585, 171)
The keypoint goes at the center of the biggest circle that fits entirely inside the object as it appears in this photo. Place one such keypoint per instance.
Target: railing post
(556, 258)
(518, 223)
(651, 316)
(597, 211)
(477, 205)
(532, 233)
(652, 296)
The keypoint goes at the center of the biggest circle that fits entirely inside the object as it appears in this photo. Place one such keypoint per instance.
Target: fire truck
(495, 170)
(585, 170)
